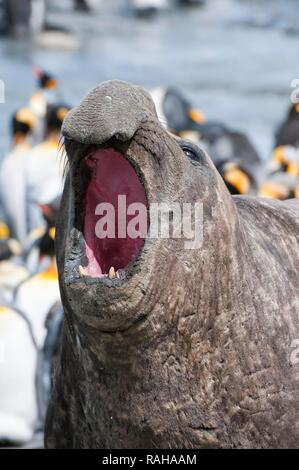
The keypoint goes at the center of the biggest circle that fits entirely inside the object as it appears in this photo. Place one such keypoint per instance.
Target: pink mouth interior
(111, 176)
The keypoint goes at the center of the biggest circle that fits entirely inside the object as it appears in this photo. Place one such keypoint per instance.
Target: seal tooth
(112, 274)
(82, 271)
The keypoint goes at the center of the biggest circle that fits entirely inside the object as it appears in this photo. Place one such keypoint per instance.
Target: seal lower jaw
(108, 190)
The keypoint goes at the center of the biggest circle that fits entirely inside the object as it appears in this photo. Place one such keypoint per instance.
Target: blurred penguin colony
(31, 182)
(31, 177)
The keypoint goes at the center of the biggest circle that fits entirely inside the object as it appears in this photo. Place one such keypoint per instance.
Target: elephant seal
(188, 348)
(287, 132)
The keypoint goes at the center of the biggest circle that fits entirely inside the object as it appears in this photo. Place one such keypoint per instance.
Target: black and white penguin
(48, 356)
(12, 270)
(18, 360)
(285, 155)
(175, 111)
(45, 94)
(12, 170)
(147, 8)
(232, 152)
(38, 179)
(288, 131)
(285, 159)
(237, 161)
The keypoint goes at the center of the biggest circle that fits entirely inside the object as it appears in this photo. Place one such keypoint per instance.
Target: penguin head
(9, 247)
(285, 159)
(55, 116)
(47, 240)
(22, 123)
(175, 111)
(180, 115)
(237, 180)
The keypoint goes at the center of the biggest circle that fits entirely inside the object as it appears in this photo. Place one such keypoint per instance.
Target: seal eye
(192, 153)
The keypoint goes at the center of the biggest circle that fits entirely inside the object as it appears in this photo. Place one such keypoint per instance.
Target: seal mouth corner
(109, 192)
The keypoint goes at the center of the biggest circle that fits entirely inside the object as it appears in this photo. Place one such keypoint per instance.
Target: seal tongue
(113, 187)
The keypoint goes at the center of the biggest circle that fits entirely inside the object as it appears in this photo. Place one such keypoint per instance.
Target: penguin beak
(196, 116)
(273, 191)
(297, 107)
(238, 179)
(296, 192)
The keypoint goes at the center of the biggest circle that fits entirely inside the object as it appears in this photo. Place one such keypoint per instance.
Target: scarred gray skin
(194, 349)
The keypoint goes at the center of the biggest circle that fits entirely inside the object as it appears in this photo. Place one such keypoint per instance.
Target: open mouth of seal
(111, 212)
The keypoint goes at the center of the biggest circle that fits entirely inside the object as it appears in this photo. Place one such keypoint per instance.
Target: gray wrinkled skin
(194, 349)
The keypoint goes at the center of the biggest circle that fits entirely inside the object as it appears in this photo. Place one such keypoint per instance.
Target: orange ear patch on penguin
(273, 190)
(196, 115)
